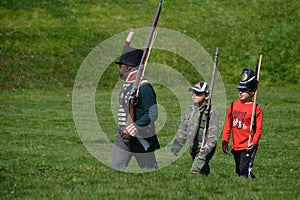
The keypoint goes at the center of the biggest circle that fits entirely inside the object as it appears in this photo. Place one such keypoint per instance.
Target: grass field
(43, 157)
(42, 46)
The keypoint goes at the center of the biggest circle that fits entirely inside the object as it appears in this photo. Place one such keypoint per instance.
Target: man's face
(123, 69)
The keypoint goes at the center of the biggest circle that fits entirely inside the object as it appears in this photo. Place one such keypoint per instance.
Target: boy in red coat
(238, 122)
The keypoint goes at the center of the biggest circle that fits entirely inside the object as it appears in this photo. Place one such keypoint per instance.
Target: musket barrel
(208, 108)
(134, 92)
(147, 49)
(254, 102)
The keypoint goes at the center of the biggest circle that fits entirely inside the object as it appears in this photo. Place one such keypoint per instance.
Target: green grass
(43, 157)
(42, 45)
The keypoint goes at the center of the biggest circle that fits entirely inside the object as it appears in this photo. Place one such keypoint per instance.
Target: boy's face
(245, 95)
(199, 97)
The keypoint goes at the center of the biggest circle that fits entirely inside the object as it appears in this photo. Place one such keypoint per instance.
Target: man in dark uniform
(137, 138)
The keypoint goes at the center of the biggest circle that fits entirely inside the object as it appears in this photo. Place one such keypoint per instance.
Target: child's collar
(246, 102)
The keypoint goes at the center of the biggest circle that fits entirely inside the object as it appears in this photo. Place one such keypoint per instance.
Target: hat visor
(126, 63)
(118, 62)
(241, 87)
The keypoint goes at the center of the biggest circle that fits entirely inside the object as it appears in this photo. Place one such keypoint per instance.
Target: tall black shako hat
(248, 80)
(131, 56)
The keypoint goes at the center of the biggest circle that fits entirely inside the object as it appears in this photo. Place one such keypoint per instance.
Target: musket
(127, 42)
(208, 105)
(142, 66)
(252, 125)
(144, 59)
(254, 102)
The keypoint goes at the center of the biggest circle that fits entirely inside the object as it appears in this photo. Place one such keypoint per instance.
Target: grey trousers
(124, 150)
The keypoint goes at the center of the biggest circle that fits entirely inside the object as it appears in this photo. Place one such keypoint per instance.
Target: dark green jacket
(146, 114)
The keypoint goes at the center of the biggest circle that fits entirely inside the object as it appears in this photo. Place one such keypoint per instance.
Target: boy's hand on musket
(203, 149)
(250, 146)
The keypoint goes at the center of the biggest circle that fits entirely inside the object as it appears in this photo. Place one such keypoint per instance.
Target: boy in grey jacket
(193, 121)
